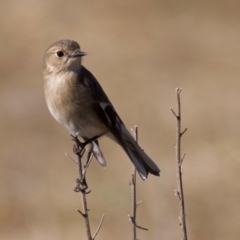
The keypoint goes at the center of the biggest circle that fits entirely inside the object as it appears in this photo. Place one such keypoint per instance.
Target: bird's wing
(107, 114)
(102, 106)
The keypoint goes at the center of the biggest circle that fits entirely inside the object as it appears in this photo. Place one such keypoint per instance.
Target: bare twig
(182, 158)
(174, 113)
(79, 149)
(135, 224)
(81, 213)
(138, 203)
(134, 195)
(99, 226)
(81, 187)
(183, 132)
(71, 158)
(179, 191)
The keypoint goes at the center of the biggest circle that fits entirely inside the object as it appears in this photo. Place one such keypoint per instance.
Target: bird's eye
(60, 54)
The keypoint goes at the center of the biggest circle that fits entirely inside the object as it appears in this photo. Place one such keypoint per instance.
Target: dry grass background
(140, 51)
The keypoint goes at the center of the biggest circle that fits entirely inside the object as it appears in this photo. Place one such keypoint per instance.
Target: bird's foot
(81, 186)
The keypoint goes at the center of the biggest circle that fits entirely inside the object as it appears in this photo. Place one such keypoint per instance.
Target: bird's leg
(77, 148)
(83, 144)
(93, 138)
(88, 160)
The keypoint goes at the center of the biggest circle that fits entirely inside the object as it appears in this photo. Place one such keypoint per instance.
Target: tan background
(140, 51)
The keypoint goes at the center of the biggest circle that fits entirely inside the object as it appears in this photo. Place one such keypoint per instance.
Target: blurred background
(140, 51)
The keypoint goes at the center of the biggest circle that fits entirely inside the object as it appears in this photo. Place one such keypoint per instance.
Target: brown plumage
(77, 101)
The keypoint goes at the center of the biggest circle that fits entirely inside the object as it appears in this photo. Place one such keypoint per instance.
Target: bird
(76, 100)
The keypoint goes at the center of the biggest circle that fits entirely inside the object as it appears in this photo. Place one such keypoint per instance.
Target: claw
(82, 189)
(81, 186)
(88, 192)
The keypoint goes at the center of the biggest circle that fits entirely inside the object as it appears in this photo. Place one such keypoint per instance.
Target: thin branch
(183, 132)
(174, 113)
(99, 227)
(138, 203)
(133, 184)
(182, 158)
(71, 158)
(81, 185)
(179, 159)
(134, 191)
(81, 213)
(79, 149)
(135, 224)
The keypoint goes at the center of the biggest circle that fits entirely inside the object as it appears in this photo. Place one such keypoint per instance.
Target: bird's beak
(78, 53)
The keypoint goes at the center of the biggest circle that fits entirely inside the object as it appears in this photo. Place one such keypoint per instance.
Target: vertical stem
(83, 193)
(79, 149)
(179, 169)
(85, 212)
(134, 195)
(134, 204)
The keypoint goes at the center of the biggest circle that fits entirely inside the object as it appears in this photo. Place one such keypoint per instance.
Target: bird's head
(64, 55)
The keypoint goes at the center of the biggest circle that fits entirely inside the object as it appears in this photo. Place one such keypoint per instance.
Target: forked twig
(135, 224)
(179, 191)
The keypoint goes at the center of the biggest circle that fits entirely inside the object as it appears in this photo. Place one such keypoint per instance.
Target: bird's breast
(71, 105)
(59, 98)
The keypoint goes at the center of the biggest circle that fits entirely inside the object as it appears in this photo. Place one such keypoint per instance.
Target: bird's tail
(97, 153)
(143, 163)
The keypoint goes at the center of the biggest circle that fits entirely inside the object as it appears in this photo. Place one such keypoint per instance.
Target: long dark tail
(143, 163)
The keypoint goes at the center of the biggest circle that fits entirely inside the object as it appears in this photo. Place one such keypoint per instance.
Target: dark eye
(60, 54)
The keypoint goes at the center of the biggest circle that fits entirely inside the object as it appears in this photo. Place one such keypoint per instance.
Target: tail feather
(143, 163)
(98, 154)
(95, 149)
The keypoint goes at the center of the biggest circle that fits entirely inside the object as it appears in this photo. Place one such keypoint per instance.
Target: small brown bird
(77, 101)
